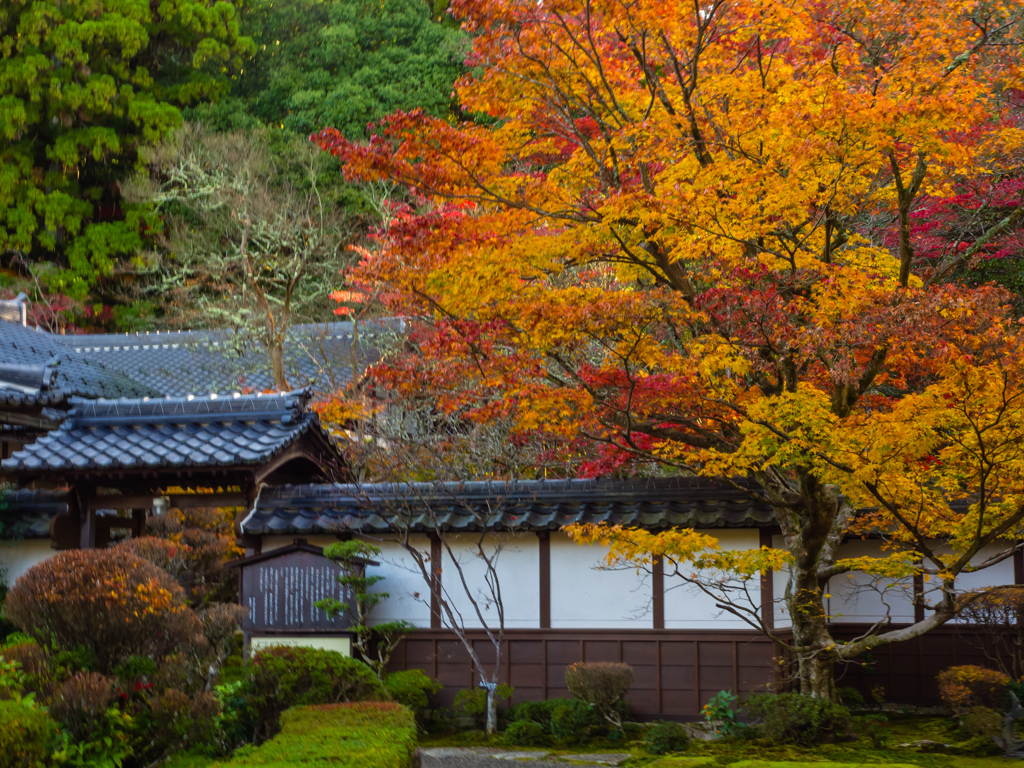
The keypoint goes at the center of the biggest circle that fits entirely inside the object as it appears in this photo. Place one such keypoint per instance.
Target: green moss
(364, 735)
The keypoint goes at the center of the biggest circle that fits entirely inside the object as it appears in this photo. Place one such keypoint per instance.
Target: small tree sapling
(375, 644)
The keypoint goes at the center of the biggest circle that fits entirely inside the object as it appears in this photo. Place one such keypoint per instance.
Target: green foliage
(24, 734)
(665, 737)
(721, 712)
(374, 735)
(286, 677)
(135, 668)
(341, 64)
(412, 688)
(567, 721)
(525, 733)
(472, 702)
(571, 721)
(878, 730)
(791, 718)
(538, 711)
(851, 697)
(374, 644)
(982, 721)
(83, 85)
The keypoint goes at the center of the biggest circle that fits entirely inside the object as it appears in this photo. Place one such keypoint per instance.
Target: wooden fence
(676, 672)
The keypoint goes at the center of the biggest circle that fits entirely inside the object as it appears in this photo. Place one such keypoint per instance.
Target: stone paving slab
(485, 757)
(601, 758)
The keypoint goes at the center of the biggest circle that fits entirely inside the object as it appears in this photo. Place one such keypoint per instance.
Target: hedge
(358, 735)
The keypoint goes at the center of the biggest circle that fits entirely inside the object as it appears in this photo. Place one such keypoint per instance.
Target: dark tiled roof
(26, 514)
(23, 348)
(521, 505)
(178, 363)
(207, 431)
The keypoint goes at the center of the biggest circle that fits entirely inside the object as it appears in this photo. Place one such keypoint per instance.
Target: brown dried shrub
(80, 704)
(108, 600)
(602, 685)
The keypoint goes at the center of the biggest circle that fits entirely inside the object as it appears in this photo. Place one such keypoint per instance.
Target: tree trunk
(492, 711)
(277, 365)
(812, 519)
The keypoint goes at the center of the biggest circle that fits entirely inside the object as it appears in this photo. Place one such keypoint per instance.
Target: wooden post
(658, 591)
(1018, 566)
(138, 523)
(918, 598)
(82, 494)
(435, 581)
(544, 542)
(767, 583)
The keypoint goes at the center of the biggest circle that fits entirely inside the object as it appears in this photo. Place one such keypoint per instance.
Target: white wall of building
(860, 598)
(409, 592)
(518, 567)
(16, 557)
(585, 597)
(686, 607)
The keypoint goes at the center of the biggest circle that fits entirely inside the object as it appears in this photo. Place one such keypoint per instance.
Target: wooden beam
(767, 583)
(435, 581)
(177, 500)
(22, 420)
(658, 591)
(918, 598)
(544, 541)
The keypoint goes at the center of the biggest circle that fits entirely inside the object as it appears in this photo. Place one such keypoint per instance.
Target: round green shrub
(283, 677)
(792, 718)
(538, 711)
(525, 733)
(414, 689)
(665, 737)
(24, 732)
(571, 721)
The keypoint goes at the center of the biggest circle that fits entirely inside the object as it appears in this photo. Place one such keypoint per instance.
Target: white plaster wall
(409, 592)
(16, 557)
(780, 579)
(859, 598)
(583, 596)
(686, 607)
(996, 575)
(518, 568)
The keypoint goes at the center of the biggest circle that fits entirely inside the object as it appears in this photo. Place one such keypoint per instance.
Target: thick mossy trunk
(813, 520)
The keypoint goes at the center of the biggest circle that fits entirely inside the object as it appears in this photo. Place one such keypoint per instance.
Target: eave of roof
(515, 506)
(193, 432)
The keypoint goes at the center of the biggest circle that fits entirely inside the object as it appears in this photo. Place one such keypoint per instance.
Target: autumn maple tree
(686, 235)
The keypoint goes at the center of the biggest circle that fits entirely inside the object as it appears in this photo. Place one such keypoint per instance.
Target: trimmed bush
(112, 602)
(525, 733)
(415, 690)
(284, 677)
(24, 732)
(538, 711)
(571, 721)
(80, 705)
(365, 735)
(602, 685)
(791, 718)
(665, 737)
(964, 688)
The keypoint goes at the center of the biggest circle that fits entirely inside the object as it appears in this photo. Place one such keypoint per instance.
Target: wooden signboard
(280, 589)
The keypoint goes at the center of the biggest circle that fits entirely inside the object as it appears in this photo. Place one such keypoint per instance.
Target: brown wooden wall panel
(676, 672)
